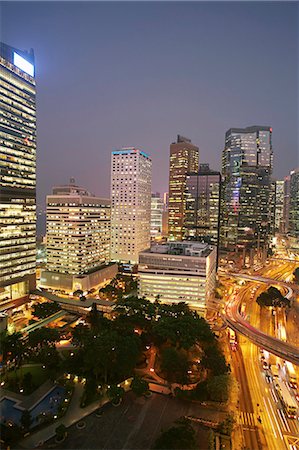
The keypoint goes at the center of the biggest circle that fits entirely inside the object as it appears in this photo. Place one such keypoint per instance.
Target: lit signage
(23, 64)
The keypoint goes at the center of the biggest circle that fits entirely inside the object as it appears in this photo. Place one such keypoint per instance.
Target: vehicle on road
(289, 403)
(291, 375)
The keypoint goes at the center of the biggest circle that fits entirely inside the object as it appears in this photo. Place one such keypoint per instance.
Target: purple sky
(137, 74)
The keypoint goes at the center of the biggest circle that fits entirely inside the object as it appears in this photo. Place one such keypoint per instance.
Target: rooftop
(182, 248)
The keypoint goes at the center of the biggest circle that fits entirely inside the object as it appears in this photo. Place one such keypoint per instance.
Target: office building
(78, 239)
(294, 208)
(279, 206)
(18, 174)
(178, 272)
(202, 214)
(286, 203)
(131, 175)
(157, 207)
(184, 158)
(247, 203)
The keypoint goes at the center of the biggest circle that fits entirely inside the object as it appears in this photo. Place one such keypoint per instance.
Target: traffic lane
(246, 410)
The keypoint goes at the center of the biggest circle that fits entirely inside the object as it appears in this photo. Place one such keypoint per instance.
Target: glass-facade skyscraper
(202, 215)
(18, 173)
(247, 204)
(294, 207)
(184, 158)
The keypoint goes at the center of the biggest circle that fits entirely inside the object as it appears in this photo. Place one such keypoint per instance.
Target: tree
(12, 345)
(218, 388)
(296, 275)
(227, 425)
(95, 318)
(80, 335)
(42, 336)
(45, 309)
(175, 364)
(138, 311)
(180, 436)
(26, 419)
(27, 382)
(139, 386)
(214, 360)
(115, 393)
(78, 293)
(182, 330)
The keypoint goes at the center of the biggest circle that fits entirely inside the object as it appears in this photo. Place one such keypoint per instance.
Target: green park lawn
(16, 380)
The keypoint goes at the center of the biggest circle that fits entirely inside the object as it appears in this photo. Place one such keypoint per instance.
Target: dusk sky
(137, 74)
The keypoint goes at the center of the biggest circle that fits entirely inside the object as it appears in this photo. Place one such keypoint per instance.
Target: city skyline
(143, 95)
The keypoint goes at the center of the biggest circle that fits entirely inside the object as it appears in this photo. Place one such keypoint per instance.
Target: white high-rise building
(131, 176)
(78, 239)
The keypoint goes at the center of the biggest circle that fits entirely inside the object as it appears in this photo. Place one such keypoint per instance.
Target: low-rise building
(178, 272)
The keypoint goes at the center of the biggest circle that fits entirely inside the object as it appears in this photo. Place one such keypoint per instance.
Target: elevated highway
(234, 319)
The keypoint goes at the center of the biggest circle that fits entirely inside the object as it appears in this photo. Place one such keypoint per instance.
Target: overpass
(273, 345)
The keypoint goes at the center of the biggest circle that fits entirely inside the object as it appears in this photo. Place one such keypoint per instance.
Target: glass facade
(279, 205)
(18, 174)
(184, 158)
(248, 193)
(157, 208)
(201, 219)
(294, 205)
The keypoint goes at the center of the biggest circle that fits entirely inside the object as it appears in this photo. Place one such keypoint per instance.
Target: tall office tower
(156, 215)
(247, 202)
(131, 178)
(78, 238)
(202, 215)
(279, 205)
(294, 208)
(184, 158)
(17, 168)
(286, 203)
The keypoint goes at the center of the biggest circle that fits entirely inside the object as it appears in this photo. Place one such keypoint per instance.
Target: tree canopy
(272, 297)
(180, 436)
(45, 309)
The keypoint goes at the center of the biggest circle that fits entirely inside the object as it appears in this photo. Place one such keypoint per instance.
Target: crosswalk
(247, 419)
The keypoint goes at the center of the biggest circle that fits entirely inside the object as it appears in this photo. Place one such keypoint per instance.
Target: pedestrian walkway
(26, 402)
(248, 419)
(73, 415)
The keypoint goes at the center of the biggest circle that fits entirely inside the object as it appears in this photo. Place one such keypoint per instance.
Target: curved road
(235, 321)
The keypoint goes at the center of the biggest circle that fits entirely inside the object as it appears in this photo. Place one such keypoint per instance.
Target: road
(247, 416)
(279, 432)
(237, 322)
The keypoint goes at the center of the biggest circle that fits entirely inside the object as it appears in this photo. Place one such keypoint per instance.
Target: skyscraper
(131, 176)
(184, 158)
(157, 207)
(202, 215)
(18, 173)
(286, 203)
(247, 202)
(279, 205)
(78, 238)
(294, 208)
